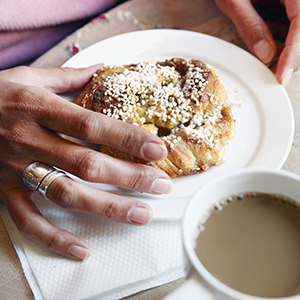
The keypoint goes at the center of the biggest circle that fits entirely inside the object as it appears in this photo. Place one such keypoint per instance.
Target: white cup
(203, 285)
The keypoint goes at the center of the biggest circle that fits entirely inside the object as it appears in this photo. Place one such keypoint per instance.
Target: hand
(258, 38)
(32, 121)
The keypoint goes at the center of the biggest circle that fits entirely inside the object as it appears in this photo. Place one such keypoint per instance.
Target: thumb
(60, 80)
(251, 27)
(56, 80)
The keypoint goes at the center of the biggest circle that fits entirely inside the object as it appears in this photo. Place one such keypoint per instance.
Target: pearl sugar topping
(159, 94)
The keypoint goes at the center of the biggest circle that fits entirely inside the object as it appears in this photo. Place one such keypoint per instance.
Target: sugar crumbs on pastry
(165, 96)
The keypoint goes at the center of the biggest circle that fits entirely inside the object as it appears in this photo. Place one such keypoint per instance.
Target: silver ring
(39, 176)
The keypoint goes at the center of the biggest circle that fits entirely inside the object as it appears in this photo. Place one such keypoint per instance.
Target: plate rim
(175, 32)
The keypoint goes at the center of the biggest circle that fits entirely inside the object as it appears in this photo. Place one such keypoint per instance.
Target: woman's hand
(258, 38)
(32, 121)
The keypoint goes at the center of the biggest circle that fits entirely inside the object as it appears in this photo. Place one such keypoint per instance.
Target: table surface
(196, 15)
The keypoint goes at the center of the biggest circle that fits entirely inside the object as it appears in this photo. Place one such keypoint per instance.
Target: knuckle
(88, 126)
(23, 223)
(111, 210)
(20, 72)
(26, 226)
(23, 70)
(28, 99)
(137, 181)
(129, 141)
(64, 193)
(11, 135)
(88, 167)
(25, 94)
(249, 25)
(55, 240)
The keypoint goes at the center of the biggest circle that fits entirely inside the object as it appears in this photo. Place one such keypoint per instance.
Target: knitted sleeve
(28, 28)
(29, 14)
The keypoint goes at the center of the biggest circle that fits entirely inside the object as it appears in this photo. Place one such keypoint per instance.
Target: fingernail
(287, 76)
(154, 151)
(79, 252)
(264, 51)
(140, 215)
(161, 186)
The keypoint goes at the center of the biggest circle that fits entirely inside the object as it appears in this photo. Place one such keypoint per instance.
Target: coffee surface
(251, 242)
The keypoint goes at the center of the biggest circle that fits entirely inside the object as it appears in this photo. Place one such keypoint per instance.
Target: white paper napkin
(124, 259)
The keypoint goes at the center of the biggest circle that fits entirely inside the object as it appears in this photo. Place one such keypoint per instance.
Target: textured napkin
(124, 259)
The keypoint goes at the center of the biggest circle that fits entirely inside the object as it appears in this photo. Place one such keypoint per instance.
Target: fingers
(61, 116)
(74, 196)
(258, 37)
(56, 114)
(77, 197)
(60, 80)
(93, 166)
(253, 30)
(31, 223)
(289, 60)
(34, 138)
(56, 80)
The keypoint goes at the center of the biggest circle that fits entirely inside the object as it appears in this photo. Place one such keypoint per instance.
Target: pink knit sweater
(30, 27)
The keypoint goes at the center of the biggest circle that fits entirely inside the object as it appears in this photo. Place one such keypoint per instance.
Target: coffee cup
(281, 186)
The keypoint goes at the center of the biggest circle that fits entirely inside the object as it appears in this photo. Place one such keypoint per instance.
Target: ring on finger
(39, 176)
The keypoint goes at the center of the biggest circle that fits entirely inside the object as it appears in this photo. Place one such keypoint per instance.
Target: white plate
(261, 106)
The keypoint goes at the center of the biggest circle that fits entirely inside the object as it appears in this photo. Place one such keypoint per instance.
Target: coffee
(251, 243)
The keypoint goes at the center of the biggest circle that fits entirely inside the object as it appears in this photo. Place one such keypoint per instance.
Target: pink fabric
(30, 27)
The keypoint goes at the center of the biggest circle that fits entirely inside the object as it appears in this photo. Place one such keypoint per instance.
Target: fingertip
(161, 186)
(154, 151)
(252, 28)
(286, 76)
(79, 252)
(72, 79)
(140, 214)
(264, 50)
(285, 66)
(70, 246)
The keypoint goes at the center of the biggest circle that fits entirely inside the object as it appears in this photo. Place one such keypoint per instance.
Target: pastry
(183, 102)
